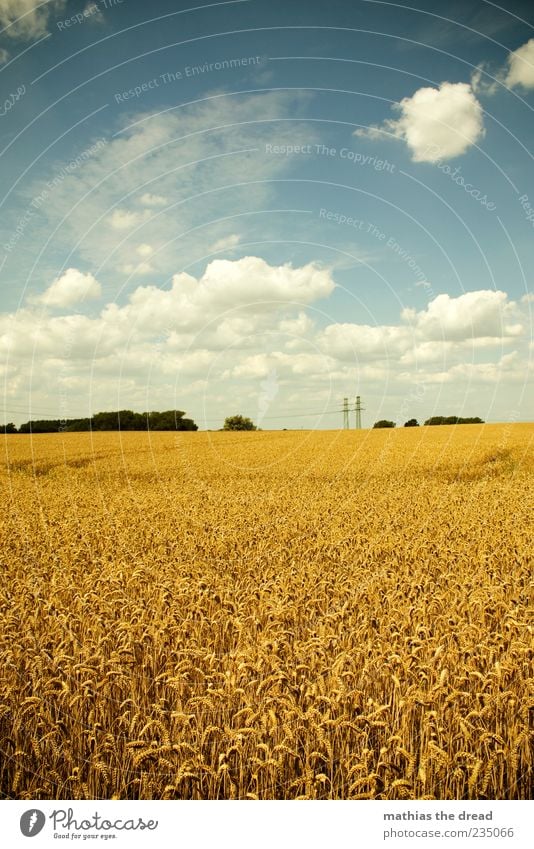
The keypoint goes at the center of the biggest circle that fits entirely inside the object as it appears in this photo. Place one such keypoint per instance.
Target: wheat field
(268, 615)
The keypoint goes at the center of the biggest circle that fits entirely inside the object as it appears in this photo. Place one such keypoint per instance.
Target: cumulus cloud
(234, 297)
(219, 334)
(247, 285)
(521, 66)
(436, 123)
(234, 303)
(348, 342)
(447, 331)
(72, 287)
(258, 366)
(510, 368)
(251, 280)
(483, 314)
(27, 19)
(517, 72)
(300, 326)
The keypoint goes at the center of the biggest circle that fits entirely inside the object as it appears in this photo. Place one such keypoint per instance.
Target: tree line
(433, 420)
(119, 420)
(174, 420)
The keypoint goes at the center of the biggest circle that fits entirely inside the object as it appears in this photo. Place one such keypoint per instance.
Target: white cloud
(224, 244)
(349, 342)
(93, 13)
(213, 334)
(233, 300)
(247, 286)
(510, 368)
(521, 66)
(436, 123)
(298, 327)
(27, 19)
(261, 365)
(248, 304)
(172, 160)
(72, 287)
(474, 315)
(4, 56)
(149, 199)
(518, 72)
(255, 366)
(140, 269)
(123, 219)
(143, 267)
(250, 280)
(482, 81)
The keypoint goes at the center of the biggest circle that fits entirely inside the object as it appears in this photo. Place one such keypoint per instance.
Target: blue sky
(264, 207)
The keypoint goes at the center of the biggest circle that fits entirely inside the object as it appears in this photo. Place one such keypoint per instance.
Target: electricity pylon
(358, 410)
(345, 413)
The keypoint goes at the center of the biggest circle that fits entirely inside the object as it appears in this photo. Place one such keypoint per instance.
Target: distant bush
(448, 420)
(411, 423)
(384, 423)
(238, 423)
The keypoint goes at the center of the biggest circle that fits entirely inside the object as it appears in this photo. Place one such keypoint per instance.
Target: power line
(346, 409)
(291, 415)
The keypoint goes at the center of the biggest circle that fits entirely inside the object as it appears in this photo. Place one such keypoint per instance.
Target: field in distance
(271, 615)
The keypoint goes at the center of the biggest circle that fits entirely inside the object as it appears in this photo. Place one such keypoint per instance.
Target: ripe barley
(301, 616)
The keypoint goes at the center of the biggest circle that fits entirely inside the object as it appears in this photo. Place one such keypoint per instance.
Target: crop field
(268, 615)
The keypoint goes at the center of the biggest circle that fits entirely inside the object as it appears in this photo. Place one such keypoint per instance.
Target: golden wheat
(313, 615)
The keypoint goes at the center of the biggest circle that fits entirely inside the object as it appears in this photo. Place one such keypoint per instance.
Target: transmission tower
(345, 413)
(358, 410)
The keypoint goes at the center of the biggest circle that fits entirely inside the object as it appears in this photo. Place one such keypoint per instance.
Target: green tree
(8, 428)
(448, 420)
(411, 423)
(238, 423)
(41, 426)
(118, 420)
(384, 423)
(169, 420)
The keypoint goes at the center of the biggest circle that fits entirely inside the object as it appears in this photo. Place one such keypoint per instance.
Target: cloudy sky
(262, 207)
